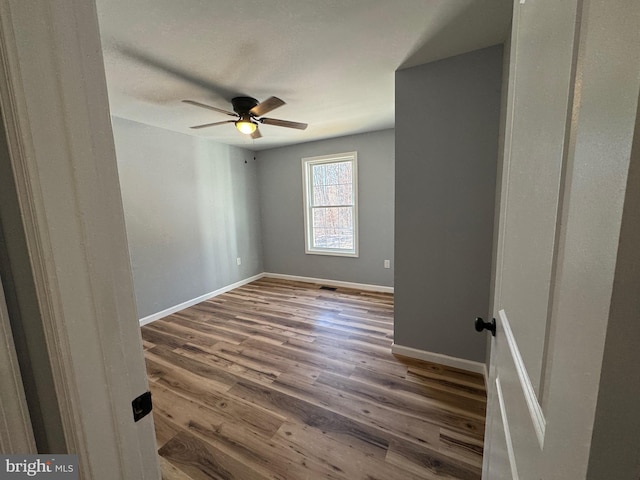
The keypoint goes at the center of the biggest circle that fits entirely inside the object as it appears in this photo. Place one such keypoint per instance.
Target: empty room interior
(291, 372)
(333, 240)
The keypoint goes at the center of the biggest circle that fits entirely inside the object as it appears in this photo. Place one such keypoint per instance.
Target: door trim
(21, 156)
(535, 410)
(54, 104)
(507, 431)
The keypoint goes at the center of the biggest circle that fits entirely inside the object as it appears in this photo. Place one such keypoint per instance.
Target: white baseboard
(469, 365)
(194, 301)
(176, 308)
(334, 283)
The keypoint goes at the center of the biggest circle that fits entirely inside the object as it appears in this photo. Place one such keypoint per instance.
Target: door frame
(16, 434)
(54, 105)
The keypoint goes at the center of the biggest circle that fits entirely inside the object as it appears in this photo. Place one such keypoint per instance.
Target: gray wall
(447, 126)
(616, 440)
(191, 208)
(280, 174)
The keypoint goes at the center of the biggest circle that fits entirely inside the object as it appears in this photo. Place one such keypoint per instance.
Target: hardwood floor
(285, 380)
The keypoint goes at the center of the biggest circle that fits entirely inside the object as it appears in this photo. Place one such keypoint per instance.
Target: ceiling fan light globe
(246, 127)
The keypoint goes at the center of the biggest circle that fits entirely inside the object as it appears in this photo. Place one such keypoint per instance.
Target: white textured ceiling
(331, 61)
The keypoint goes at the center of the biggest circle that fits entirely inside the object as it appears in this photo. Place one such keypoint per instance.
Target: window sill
(332, 253)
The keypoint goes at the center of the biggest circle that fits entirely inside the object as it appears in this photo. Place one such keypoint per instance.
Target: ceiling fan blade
(209, 107)
(205, 125)
(269, 104)
(256, 134)
(283, 123)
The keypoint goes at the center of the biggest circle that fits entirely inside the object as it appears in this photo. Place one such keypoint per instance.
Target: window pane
(332, 184)
(345, 194)
(319, 195)
(332, 238)
(345, 172)
(332, 173)
(332, 227)
(319, 174)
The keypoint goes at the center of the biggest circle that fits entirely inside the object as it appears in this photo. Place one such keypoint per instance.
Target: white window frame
(307, 164)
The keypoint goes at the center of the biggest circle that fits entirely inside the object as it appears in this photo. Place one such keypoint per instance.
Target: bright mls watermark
(51, 467)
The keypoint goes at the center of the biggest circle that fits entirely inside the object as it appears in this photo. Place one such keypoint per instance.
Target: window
(330, 204)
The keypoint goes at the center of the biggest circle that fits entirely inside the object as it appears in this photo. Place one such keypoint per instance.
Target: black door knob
(482, 325)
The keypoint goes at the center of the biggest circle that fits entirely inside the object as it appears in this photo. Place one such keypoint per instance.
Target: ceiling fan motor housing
(242, 105)
(249, 113)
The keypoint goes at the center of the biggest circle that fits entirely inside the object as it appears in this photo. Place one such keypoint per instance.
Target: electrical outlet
(387, 264)
(239, 261)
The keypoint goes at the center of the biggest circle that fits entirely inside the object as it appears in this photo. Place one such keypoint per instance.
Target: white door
(53, 101)
(537, 105)
(558, 49)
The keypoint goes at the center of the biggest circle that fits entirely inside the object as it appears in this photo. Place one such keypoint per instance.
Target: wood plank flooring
(285, 380)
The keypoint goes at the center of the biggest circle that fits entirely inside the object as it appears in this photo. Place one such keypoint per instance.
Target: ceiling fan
(248, 112)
